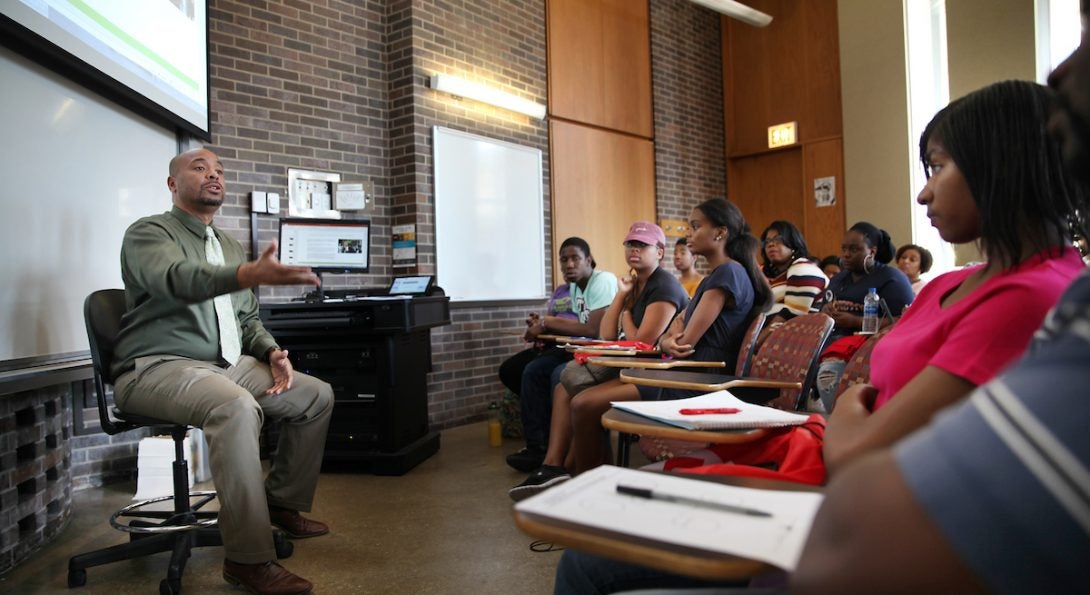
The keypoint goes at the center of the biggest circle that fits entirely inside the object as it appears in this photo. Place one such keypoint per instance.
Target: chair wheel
(77, 578)
(284, 547)
(170, 587)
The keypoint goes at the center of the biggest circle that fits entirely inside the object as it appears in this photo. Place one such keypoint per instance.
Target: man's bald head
(181, 159)
(196, 183)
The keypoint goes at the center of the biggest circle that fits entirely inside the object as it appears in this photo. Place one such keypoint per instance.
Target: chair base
(180, 544)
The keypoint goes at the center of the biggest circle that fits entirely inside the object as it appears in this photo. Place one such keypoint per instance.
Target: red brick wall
(687, 86)
(301, 84)
(501, 42)
(342, 87)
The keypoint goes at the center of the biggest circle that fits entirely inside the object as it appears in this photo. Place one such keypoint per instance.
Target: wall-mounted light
(485, 94)
(738, 11)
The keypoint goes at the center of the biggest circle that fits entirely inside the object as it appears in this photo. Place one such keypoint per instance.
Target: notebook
(748, 416)
(591, 501)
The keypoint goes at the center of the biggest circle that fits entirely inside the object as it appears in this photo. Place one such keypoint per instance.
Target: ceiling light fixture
(738, 11)
(485, 94)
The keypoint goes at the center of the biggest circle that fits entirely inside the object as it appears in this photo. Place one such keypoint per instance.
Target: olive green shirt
(169, 286)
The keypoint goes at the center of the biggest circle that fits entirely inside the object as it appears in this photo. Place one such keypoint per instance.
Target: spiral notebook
(748, 415)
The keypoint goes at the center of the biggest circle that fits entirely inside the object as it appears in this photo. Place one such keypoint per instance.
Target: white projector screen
(149, 55)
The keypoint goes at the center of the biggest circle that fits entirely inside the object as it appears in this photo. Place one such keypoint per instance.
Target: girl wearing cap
(646, 301)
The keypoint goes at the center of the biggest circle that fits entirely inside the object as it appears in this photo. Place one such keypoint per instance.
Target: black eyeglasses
(634, 245)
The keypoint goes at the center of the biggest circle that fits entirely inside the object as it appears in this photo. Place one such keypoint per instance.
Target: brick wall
(501, 42)
(687, 87)
(342, 87)
(35, 470)
(300, 85)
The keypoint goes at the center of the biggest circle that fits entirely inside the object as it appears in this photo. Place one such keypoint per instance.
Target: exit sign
(781, 135)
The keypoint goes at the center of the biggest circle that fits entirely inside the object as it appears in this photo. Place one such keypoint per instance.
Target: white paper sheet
(748, 416)
(591, 499)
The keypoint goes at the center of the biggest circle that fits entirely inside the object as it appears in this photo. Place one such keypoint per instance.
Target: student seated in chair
(685, 264)
(646, 301)
(992, 496)
(993, 177)
(575, 310)
(192, 350)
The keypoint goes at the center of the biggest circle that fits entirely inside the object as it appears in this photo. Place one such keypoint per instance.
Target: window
(928, 92)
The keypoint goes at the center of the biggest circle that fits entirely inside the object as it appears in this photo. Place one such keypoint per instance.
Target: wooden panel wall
(606, 181)
(601, 152)
(765, 186)
(788, 71)
(599, 60)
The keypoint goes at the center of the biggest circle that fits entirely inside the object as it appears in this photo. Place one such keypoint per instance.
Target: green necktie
(230, 347)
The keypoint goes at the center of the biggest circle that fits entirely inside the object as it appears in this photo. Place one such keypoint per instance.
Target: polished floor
(444, 527)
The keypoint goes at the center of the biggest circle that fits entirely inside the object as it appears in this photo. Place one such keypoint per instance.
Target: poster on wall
(404, 238)
(825, 191)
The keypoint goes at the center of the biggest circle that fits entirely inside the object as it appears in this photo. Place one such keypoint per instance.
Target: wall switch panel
(259, 202)
(273, 207)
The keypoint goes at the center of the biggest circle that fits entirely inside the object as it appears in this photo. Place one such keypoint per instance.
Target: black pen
(652, 495)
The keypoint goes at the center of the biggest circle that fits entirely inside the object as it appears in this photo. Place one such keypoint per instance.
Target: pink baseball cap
(646, 232)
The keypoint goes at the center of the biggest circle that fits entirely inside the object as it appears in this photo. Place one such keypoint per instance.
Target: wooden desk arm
(727, 384)
(653, 364)
(663, 556)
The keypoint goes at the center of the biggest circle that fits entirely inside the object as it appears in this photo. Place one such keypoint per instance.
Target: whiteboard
(489, 218)
(77, 171)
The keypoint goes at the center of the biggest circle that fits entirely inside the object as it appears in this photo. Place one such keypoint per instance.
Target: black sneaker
(544, 478)
(527, 459)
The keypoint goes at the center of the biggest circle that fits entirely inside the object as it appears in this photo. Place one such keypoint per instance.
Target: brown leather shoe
(269, 578)
(295, 525)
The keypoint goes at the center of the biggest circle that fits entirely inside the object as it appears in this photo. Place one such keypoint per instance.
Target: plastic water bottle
(870, 312)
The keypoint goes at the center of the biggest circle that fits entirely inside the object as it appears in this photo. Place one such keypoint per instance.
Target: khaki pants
(229, 404)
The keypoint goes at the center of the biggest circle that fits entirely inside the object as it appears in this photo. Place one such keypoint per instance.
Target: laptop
(412, 285)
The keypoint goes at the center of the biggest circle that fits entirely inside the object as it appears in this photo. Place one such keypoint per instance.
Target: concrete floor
(444, 527)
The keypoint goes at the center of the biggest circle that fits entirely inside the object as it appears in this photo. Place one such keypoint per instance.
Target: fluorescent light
(738, 11)
(485, 94)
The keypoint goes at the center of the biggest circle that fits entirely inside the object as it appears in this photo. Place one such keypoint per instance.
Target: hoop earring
(868, 264)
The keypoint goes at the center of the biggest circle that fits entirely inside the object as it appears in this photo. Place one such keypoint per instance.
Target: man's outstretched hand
(281, 369)
(268, 270)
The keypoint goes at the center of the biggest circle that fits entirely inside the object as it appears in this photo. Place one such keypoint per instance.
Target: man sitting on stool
(192, 350)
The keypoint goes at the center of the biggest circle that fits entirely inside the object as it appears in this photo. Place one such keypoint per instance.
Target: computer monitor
(326, 245)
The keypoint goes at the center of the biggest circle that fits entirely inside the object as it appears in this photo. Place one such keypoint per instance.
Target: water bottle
(870, 312)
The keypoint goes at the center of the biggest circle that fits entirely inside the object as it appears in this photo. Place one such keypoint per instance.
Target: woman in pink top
(996, 179)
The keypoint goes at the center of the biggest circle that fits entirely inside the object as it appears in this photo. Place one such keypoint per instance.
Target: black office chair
(178, 530)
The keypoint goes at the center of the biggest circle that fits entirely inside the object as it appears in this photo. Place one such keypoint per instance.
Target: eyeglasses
(776, 241)
(634, 245)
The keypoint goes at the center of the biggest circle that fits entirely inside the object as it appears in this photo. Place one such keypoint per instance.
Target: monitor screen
(151, 55)
(326, 245)
(414, 285)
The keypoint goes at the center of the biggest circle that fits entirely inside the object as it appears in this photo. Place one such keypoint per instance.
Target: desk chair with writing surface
(741, 368)
(176, 531)
(857, 370)
(781, 376)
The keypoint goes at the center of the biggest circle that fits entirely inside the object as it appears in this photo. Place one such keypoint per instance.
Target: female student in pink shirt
(994, 178)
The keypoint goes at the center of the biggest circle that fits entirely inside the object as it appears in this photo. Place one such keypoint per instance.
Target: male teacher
(192, 350)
